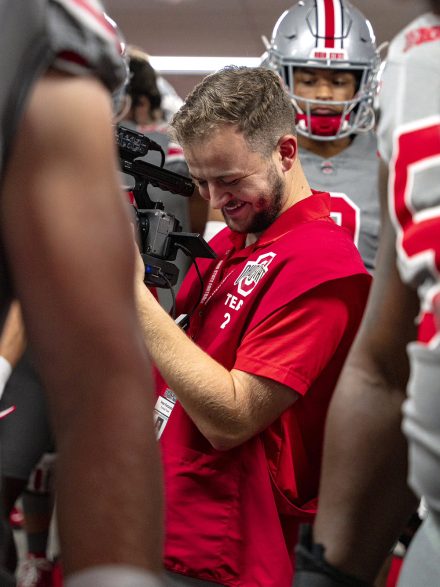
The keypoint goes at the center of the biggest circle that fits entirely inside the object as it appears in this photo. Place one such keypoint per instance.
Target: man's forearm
(203, 386)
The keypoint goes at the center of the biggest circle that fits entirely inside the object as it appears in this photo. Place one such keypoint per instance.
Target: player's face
(248, 188)
(325, 85)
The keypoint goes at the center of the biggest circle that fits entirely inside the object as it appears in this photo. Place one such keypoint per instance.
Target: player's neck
(325, 149)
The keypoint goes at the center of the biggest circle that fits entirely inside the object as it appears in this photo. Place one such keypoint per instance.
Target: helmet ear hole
(300, 39)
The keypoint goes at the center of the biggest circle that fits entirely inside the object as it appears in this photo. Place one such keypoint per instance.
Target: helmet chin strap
(324, 126)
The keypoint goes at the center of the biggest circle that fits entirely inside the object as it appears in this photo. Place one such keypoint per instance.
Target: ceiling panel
(228, 27)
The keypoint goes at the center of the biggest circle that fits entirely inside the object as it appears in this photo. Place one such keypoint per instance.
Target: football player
(364, 497)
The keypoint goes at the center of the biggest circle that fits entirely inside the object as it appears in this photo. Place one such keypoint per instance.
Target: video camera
(160, 234)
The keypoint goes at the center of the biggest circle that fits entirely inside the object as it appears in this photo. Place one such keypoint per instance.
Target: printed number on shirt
(345, 213)
(414, 180)
(227, 318)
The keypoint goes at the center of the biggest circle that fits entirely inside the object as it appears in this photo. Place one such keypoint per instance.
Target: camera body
(160, 233)
(155, 227)
(157, 246)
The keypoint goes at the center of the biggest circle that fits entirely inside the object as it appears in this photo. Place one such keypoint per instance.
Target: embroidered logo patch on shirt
(252, 273)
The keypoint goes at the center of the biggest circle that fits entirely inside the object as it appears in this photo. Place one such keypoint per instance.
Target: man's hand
(141, 290)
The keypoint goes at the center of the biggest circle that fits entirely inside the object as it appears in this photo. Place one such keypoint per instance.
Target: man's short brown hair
(252, 99)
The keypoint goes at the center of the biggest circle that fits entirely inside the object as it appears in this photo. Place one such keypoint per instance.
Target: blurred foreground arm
(68, 243)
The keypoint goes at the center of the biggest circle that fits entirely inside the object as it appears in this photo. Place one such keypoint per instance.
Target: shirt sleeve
(294, 344)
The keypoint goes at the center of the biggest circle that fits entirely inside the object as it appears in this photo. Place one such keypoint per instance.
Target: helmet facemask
(296, 44)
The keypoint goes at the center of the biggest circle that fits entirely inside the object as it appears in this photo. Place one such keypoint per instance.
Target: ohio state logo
(252, 273)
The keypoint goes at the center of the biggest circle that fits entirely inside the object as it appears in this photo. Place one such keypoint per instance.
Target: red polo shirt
(286, 307)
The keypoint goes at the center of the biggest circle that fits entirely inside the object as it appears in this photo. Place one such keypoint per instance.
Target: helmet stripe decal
(329, 24)
(329, 15)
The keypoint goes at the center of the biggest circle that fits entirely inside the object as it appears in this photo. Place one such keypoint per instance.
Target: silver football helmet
(327, 34)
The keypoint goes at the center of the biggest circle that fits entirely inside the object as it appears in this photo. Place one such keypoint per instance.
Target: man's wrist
(142, 294)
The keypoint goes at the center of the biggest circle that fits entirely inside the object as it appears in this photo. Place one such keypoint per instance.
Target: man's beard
(262, 220)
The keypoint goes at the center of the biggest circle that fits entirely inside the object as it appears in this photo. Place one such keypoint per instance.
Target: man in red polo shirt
(243, 400)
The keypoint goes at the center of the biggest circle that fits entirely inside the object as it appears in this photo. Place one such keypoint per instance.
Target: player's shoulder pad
(85, 40)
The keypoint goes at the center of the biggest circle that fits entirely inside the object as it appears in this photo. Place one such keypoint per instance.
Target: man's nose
(324, 90)
(218, 196)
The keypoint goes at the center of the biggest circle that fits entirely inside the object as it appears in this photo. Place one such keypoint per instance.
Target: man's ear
(288, 150)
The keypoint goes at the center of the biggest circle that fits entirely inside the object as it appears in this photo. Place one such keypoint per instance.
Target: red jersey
(286, 307)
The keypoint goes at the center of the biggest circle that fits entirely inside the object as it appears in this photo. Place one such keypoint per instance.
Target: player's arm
(69, 246)
(364, 499)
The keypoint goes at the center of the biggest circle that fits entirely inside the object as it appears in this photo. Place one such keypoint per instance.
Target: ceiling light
(195, 65)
